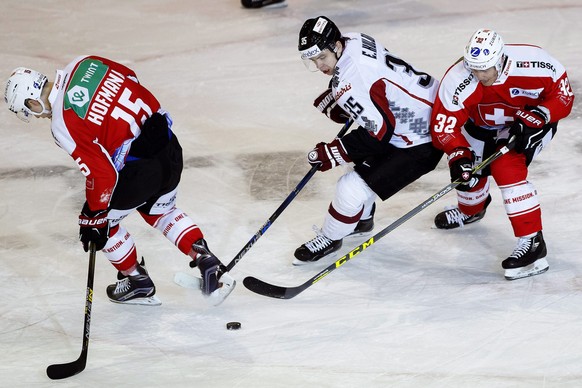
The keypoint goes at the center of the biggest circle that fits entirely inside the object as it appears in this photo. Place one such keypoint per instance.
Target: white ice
(420, 308)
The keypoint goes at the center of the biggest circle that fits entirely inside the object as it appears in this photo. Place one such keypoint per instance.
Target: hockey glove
(327, 105)
(528, 128)
(328, 155)
(461, 162)
(93, 227)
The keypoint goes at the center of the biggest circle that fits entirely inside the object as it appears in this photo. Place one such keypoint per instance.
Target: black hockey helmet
(316, 35)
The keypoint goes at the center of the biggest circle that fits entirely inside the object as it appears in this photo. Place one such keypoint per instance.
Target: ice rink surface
(421, 308)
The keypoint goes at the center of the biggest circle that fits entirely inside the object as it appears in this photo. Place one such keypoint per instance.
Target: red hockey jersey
(531, 77)
(98, 107)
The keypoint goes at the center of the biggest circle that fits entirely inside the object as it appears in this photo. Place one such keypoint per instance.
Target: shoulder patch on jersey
(460, 87)
(529, 93)
(93, 88)
(84, 83)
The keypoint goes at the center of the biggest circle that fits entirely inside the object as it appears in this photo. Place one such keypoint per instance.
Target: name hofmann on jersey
(88, 86)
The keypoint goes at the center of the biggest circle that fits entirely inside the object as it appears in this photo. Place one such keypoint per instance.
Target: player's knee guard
(523, 207)
(352, 197)
(472, 202)
(177, 227)
(120, 249)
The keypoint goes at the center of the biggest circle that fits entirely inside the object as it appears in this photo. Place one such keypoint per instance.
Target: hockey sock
(177, 226)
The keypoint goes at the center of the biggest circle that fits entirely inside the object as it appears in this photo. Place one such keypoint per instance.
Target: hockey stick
(282, 207)
(263, 288)
(62, 371)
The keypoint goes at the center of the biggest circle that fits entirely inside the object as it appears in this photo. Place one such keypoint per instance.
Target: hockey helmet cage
(484, 50)
(316, 35)
(22, 85)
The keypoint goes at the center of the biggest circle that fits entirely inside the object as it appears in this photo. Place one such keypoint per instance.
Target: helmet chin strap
(336, 52)
(44, 109)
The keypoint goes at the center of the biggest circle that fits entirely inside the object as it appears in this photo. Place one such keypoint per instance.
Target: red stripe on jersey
(342, 218)
(380, 101)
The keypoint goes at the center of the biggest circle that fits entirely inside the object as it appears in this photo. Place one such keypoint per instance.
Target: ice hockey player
(493, 92)
(123, 143)
(391, 103)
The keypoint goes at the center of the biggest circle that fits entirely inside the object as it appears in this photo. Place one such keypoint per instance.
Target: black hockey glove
(461, 162)
(328, 155)
(528, 128)
(93, 227)
(327, 105)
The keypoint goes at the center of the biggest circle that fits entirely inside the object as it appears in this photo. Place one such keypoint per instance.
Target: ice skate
(137, 289)
(264, 3)
(364, 227)
(527, 259)
(216, 284)
(454, 218)
(315, 249)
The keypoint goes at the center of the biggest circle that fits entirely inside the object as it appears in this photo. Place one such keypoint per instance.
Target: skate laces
(319, 242)
(523, 246)
(122, 286)
(455, 216)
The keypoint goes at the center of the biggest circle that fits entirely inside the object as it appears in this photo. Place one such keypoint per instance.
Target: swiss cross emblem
(497, 114)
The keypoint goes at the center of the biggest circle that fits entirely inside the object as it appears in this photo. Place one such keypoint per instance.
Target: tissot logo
(535, 65)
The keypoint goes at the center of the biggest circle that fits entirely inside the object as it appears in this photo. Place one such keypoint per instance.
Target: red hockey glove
(328, 155)
(93, 227)
(327, 105)
(528, 128)
(461, 166)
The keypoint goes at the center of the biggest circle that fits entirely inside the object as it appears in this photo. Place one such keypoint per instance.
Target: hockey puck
(233, 325)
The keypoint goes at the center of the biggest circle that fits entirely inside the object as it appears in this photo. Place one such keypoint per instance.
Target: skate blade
(149, 301)
(282, 4)
(298, 263)
(538, 267)
(187, 280)
(360, 234)
(220, 294)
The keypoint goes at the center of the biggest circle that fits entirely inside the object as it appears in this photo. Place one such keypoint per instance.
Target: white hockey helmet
(484, 50)
(24, 84)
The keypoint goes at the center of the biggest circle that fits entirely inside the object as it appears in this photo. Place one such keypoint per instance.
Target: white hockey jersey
(383, 93)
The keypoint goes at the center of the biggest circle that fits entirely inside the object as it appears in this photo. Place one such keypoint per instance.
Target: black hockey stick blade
(260, 287)
(62, 371)
(266, 289)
